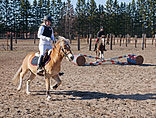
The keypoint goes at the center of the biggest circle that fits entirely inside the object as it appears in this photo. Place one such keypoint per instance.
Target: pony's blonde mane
(61, 39)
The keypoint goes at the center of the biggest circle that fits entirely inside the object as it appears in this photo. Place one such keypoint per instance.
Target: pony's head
(64, 48)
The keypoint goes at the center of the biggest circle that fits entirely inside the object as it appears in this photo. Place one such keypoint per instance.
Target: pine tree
(2, 24)
(109, 15)
(133, 18)
(35, 20)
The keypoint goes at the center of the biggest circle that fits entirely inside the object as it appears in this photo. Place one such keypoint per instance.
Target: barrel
(79, 60)
(137, 60)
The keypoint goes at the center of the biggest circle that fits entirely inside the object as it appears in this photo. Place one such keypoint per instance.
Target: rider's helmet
(47, 18)
(101, 28)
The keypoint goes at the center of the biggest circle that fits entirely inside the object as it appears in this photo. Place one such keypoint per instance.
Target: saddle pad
(34, 61)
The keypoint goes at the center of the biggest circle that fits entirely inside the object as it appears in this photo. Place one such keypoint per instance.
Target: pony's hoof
(18, 89)
(55, 87)
(61, 73)
(48, 98)
(51, 87)
(28, 93)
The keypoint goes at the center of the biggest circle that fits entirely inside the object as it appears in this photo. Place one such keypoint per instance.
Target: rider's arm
(40, 34)
(52, 36)
(98, 34)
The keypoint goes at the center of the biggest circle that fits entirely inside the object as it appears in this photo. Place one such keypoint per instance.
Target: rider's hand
(49, 39)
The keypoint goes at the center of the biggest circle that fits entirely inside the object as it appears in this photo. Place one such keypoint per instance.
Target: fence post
(107, 39)
(78, 42)
(123, 39)
(120, 39)
(152, 39)
(87, 38)
(126, 39)
(155, 41)
(11, 42)
(7, 40)
(90, 42)
(143, 41)
(117, 38)
(34, 38)
(135, 41)
(114, 39)
(111, 41)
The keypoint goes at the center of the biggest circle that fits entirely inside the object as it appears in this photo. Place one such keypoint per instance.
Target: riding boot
(95, 47)
(105, 45)
(40, 69)
(61, 73)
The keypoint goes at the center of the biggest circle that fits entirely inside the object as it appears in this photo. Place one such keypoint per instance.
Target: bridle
(63, 50)
(64, 53)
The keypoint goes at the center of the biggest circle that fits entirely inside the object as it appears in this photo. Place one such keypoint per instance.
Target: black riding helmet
(101, 27)
(47, 18)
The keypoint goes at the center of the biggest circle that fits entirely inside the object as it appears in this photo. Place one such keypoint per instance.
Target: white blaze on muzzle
(70, 57)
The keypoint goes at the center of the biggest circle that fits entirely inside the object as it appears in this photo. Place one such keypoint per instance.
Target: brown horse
(100, 48)
(52, 68)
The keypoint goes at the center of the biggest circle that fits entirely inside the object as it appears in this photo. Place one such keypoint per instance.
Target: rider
(45, 33)
(99, 35)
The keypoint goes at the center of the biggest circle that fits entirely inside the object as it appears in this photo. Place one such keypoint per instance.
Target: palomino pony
(100, 48)
(52, 68)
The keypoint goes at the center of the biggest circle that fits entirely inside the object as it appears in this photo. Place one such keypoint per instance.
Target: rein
(66, 55)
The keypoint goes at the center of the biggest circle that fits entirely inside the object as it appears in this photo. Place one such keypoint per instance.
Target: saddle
(45, 61)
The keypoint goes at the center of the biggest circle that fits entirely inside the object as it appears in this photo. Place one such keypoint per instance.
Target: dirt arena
(104, 91)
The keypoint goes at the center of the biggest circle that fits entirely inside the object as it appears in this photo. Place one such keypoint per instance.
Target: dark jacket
(100, 33)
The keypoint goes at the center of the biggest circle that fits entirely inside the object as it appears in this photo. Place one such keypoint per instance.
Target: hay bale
(79, 60)
(137, 60)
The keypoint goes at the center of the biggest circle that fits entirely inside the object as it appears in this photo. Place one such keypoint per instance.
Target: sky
(97, 2)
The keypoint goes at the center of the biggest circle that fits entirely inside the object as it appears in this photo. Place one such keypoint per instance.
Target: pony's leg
(96, 54)
(31, 77)
(24, 71)
(102, 55)
(57, 79)
(47, 81)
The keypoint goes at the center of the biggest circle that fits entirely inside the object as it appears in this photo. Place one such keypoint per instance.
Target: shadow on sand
(147, 65)
(125, 65)
(87, 95)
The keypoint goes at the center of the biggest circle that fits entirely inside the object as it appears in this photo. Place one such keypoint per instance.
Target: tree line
(133, 18)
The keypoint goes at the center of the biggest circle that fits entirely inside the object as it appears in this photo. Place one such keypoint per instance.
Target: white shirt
(44, 39)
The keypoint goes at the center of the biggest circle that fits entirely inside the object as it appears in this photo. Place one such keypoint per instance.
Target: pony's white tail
(17, 76)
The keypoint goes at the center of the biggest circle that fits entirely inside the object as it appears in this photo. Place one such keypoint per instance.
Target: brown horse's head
(64, 48)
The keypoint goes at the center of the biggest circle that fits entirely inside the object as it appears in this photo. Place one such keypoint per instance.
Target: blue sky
(97, 1)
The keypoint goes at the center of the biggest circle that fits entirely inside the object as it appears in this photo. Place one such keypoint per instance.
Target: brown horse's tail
(17, 76)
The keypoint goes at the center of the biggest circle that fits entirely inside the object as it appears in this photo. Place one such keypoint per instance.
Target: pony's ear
(61, 38)
(67, 40)
(61, 43)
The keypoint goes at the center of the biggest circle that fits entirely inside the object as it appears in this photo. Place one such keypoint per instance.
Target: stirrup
(61, 73)
(40, 72)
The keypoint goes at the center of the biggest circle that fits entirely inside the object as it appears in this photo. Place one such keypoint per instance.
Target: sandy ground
(104, 91)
